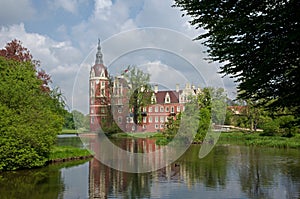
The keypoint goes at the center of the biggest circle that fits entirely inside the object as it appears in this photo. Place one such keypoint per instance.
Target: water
(227, 172)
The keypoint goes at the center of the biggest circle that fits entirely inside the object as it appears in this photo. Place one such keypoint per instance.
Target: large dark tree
(257, 42)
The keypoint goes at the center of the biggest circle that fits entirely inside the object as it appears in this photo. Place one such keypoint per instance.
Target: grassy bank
(73, 131)
(254, 139)
(137, 135)
(65, 153)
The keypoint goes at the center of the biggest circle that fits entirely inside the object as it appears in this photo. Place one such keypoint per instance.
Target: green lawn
(67, 152)
(138, 135)
(254, 139)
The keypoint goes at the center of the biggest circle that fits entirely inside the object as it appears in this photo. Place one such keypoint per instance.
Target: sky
(150, 34)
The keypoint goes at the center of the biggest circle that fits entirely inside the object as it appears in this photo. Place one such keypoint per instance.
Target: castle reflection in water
(104, 180)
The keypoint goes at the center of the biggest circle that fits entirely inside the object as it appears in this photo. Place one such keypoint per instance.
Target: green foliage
(69, 121)
(139, 91)
(204, 123)
(257, 42)
(204, 101)
(172, 126)
(282, 126)
(218, 105)
(29, 118)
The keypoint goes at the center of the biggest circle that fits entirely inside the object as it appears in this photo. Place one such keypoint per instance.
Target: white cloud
(68, 5)
(106, 19)
(15, 11)
(102, 9)
(60, 59)
(164, 75)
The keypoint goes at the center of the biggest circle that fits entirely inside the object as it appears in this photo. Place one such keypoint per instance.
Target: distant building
(110, 101)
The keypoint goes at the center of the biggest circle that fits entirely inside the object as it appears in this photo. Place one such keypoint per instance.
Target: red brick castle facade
(108, 100)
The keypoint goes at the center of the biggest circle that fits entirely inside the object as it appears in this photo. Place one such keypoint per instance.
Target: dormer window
(167, 98)
(153, 99)
(102, 73)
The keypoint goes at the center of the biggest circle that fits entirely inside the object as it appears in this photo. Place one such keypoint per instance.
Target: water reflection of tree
(255, 173)
(36, 183)
(291, 168)
(211, 170)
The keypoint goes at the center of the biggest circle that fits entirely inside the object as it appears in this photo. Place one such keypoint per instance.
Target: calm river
(227, 172)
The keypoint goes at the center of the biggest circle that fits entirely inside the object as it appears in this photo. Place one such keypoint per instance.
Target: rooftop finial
(99, 55)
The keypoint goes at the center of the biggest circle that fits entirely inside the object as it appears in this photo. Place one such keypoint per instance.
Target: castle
(108, 101)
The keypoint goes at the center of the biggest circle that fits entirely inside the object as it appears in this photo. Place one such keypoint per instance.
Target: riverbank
(255, 139)
(137, 135)
(230, 137)
(67, 153)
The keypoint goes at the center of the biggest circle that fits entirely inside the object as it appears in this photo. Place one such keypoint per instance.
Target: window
(144, 126)
(172, 109)
(153, 99)
(167, 109)
(166, 119)
(144, 109)
(161, 109)
(150, 109)
(92, 120)
(167, 98)
(161, 126)
(162, 119)
(144, 119)
(178, 108)
(127, 119)
(120, 101)
(156, 118)
(150, 119)
(120, 110)
(92, 110)
(156, 126)
(156, 109)
(120, 120)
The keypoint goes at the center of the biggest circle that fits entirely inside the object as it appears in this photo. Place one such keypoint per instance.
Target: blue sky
(63, 35)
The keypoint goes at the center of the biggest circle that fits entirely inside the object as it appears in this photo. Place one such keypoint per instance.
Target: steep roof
(98, 68)
(160, 96)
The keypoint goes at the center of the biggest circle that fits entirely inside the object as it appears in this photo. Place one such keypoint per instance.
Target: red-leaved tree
(15, 51)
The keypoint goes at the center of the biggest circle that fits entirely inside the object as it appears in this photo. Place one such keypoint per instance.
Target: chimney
(155, 88)
(177, 88)
(187, 86)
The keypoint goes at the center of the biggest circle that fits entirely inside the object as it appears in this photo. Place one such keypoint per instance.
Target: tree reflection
(256, 172)
(46, 183)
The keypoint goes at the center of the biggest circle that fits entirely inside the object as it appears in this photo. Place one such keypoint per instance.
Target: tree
(15, 51)
(257, 42)
(204, 102)
(29, 118)
(139, 92)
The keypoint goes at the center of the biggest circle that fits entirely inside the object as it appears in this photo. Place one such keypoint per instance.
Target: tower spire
(99, 59)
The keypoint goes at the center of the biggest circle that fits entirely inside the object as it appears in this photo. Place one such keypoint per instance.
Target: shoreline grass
(66, 153)
(255, 139)
(137, 135)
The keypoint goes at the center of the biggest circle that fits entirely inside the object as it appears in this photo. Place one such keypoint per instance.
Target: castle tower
(99, 93)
